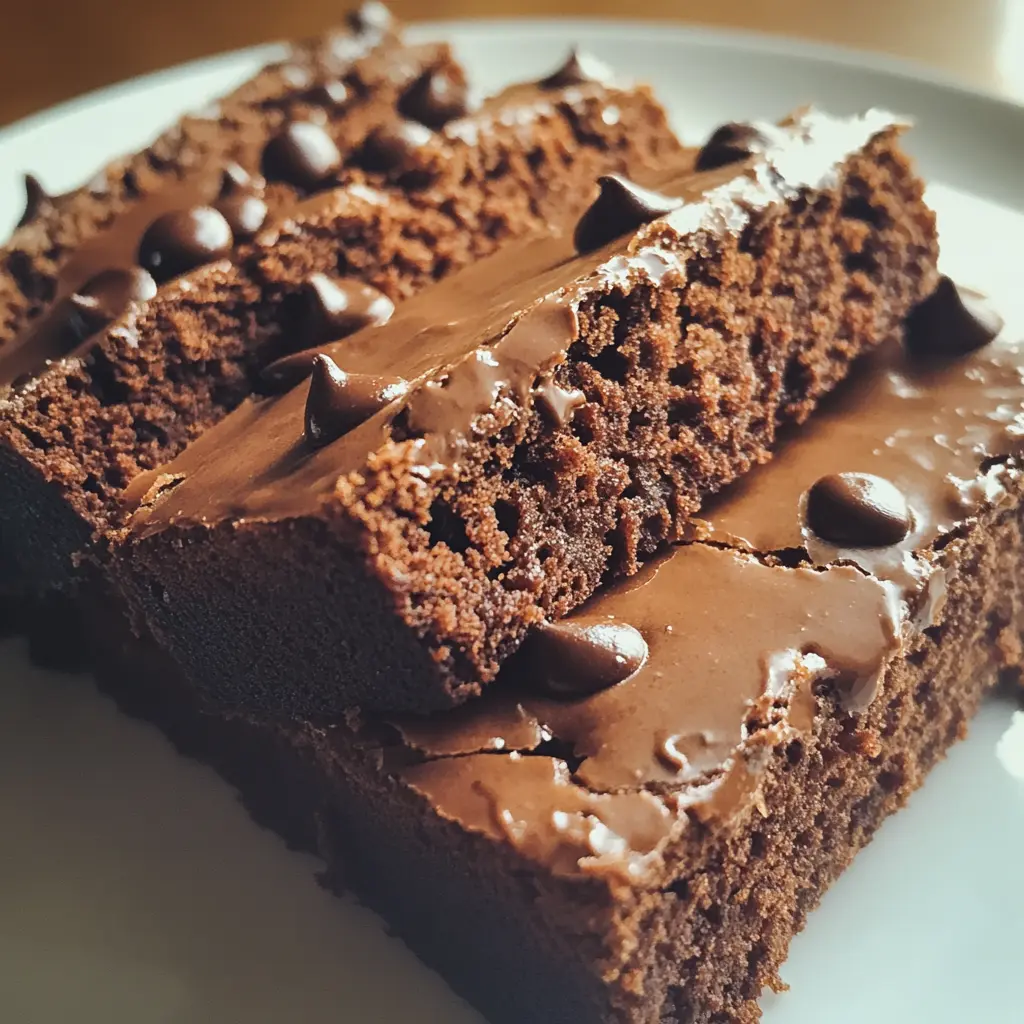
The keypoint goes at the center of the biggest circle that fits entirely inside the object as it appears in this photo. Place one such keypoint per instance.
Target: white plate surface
(134, 890)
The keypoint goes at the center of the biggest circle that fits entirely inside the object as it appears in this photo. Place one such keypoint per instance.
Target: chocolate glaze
(462, 348)
(730, 669)
(945, 433)
(741, 664)
(283, 374)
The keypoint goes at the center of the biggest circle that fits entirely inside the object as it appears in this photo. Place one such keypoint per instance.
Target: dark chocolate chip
(556, 404)
(336, 308)
(339, 401)
(245, 214)
(729, 143)
(330, 95)
(857, 510)
(284, 373)
(575, 657)
(85, 317)
(578, 69)
(181, 240)
(395, 147)
(236, 180)
(240, 201)
(370, 17)
(952, 321)
(434, 99)
(37, 199)
(113, 291)
(301, 154)
(620, 208)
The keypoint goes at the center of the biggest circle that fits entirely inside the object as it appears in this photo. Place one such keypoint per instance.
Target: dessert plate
(133, 888)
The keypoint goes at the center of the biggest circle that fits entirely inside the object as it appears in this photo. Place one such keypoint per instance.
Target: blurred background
(55, 49)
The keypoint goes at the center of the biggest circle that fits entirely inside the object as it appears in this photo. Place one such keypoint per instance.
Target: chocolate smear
(37, 199)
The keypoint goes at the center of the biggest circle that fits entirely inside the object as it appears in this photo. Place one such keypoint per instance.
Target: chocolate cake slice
(88, 406)
(344, 82)
(387, 536)
(569, 848)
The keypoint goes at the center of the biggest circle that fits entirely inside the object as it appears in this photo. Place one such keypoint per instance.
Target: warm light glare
(1010, 54)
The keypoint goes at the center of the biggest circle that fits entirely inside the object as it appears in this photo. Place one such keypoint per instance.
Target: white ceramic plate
(134, 890)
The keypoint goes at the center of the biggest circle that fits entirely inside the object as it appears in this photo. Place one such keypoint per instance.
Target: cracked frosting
(744, 663)
(493, 333)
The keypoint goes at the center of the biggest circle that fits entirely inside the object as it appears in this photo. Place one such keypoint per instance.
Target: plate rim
(710, 37)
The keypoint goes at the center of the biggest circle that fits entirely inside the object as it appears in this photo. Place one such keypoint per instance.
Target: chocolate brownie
(386, 536)
(568, 849)
(88, 406)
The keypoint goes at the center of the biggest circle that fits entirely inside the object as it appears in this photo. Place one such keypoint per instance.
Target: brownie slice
(562, 414)
(344, 81)
(566, 849)
(419, 203)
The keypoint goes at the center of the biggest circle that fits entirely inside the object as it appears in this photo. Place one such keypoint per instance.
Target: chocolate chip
(577, 656)
(370, 17)
(395, 147)
(301, 154)
(952, 321)
(113, 291)
(37, 199)
(283, 374)
(236, 180)
(337, 307)
(620, 208)
(857, 510)
(578, 69)
(84, 318)
(240, 201)
(181, 240)
(556, 404)
(330, 95)
(245, 215)
(434, 99)
(339, 401)
(729, 143)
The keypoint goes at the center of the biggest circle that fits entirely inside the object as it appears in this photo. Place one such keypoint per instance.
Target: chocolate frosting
(740, 663)
(945, 433)
(731, 669)
(579, 67)
(493, 334)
